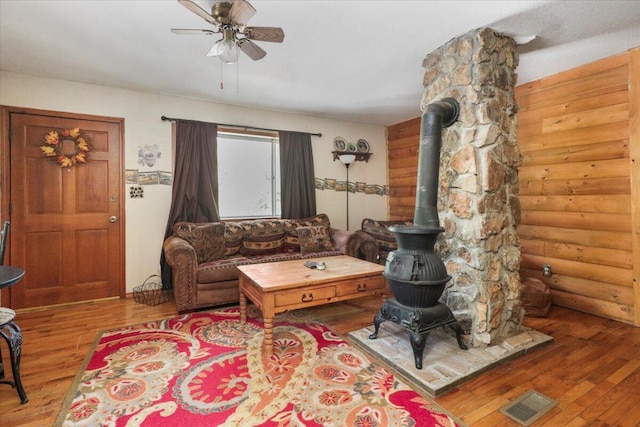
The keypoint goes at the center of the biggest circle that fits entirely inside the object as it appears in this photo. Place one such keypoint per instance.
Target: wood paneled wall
(403, 142)
(579, 132)
(574, 131)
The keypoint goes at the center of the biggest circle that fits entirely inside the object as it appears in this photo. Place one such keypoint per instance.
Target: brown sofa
(384, 240)
(204, 257)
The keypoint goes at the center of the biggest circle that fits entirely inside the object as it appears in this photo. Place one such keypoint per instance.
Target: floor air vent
(528, 407)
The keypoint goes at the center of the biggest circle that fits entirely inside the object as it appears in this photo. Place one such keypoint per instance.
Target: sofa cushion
(221, 270)
(282, 256)
(207, 239)
(291, 242)
(314, 239)
(314, 255)
(262, 237)
(233, 234)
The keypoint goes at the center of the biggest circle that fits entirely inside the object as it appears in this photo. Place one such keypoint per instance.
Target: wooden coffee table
(277, 287)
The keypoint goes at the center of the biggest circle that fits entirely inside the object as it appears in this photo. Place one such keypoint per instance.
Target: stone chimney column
(478, 187)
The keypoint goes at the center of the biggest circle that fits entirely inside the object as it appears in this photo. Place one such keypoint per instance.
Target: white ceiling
(352, 60)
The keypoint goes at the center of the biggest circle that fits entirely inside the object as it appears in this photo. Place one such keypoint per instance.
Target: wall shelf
(360, 157)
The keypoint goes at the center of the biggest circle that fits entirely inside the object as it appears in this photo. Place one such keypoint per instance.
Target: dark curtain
(195, 180)
(297, 176)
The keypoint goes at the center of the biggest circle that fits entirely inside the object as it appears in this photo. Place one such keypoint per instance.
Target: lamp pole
(347, 188)
(346, 160)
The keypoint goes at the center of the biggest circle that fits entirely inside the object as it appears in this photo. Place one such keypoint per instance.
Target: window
(248, 175)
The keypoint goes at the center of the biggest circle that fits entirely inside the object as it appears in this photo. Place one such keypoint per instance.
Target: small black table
(11, 332)
(418, 322)
(9, 275)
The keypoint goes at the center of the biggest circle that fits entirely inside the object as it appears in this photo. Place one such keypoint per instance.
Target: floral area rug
(207, 369)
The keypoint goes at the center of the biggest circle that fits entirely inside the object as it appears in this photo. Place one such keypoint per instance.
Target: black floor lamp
(346, 160)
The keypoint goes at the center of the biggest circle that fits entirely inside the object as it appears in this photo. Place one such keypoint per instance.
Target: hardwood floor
(592, 369)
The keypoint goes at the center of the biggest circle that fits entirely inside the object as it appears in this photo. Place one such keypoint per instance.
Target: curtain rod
(172, 119)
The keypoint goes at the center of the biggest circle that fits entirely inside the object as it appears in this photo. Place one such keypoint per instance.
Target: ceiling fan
(230, 20)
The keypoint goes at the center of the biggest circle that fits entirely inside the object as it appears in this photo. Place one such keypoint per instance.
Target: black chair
(10, 331)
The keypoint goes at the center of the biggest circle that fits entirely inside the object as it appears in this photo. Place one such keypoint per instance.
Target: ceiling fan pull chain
(221, 76)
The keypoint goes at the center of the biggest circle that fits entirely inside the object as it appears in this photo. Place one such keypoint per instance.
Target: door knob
(113, 218)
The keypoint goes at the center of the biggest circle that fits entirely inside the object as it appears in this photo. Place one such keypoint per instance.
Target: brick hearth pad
(445, 365)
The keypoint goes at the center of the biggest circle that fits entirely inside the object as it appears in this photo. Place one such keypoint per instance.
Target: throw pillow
(232, 238)
(291, 243)
(314, 239)
(207, 239)
(262, 237)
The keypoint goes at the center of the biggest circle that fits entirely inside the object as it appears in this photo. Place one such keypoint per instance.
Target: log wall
(579, 133)
(579, 212)
(403, 142)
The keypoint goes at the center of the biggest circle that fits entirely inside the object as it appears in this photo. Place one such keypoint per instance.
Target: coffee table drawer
(361, 285)
(305, 296)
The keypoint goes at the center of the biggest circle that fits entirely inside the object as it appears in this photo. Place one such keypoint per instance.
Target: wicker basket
(151, 292)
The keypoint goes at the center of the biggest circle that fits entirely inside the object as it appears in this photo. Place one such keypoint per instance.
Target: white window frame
(268, 137)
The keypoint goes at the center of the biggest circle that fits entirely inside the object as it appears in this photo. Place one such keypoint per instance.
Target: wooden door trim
(5, 174)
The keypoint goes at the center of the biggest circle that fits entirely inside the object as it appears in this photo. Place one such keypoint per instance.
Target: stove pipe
(436, 116)
(416, 274)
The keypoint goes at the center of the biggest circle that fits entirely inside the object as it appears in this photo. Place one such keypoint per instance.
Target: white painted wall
(146, 218)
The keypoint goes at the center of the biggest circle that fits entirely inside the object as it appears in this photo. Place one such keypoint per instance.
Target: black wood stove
(418, 322)
(416, 274)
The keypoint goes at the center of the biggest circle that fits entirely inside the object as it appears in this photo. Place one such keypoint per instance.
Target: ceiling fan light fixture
(225, 48)
(229, 51)
(216, 49)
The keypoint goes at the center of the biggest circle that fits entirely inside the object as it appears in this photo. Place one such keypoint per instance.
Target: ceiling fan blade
(193, 32)
(252, 50)
(198, 11)
(241, 12)
(265, 34)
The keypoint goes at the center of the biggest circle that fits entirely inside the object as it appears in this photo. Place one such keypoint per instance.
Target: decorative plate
(340, 144)
(351, 147)
(363, 146)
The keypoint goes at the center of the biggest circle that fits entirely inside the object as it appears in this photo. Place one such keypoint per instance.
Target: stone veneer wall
(477, 200)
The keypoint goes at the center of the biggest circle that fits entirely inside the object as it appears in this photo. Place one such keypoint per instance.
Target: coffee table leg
(268, 336)
(243, 308)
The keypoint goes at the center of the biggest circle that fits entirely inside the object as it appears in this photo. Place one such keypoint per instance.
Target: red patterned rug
(207, 369)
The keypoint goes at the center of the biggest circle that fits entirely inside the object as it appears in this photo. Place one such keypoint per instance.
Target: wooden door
(67, 225)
